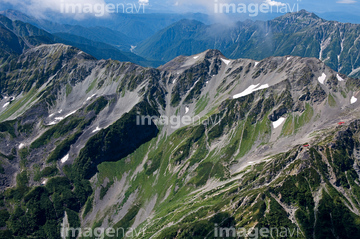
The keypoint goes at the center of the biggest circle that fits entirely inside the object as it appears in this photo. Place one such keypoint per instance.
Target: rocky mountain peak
(302, 16)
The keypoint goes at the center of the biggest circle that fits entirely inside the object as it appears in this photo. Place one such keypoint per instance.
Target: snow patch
(288, 58)
(250, 89)
(186, 110)
(52, 123)
(353, 100)
(59, 118)
(196, 57)
(96, 129)
(6, 104)
(263, 87)
(60, 111)
(89, 98)
(256, 63)
(70, 114)
(21, 146)
(278, 122)
(322, 78)
(51, 115)
(65, 158)
(339, 78)
(227, 62)
(44, 182)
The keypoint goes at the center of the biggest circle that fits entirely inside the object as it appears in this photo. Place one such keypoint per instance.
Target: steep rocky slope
(232, 153)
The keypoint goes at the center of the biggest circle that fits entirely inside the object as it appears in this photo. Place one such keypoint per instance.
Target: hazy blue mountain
(102, 34)
(97, 33)
(19, 36)
(44, 24)
(136, 27)
(102, 50)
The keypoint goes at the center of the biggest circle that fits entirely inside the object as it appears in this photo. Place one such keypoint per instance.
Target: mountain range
(30, 35)
(196, 148)
(300, 34)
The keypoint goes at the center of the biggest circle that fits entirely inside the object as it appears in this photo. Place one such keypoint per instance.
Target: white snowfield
(227, 62)
(322, 78)
(196, 57)
(250, 89)
(65, 158)
(353, 100)
(278, 122)
(58, 119)
(186, 110)
(263, 87)
(21, 146)
(90, 97)
(6, 104)
(96, 129)
(339, 77)
(256, 63)
(70, 114)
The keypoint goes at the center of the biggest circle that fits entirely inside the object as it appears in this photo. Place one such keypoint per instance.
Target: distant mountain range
(299, 34)
(136, 27)
(18, 36)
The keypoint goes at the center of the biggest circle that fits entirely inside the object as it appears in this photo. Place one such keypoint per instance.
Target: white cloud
(195, 4)
(38, 7)
(274, 3)
(346, 1)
